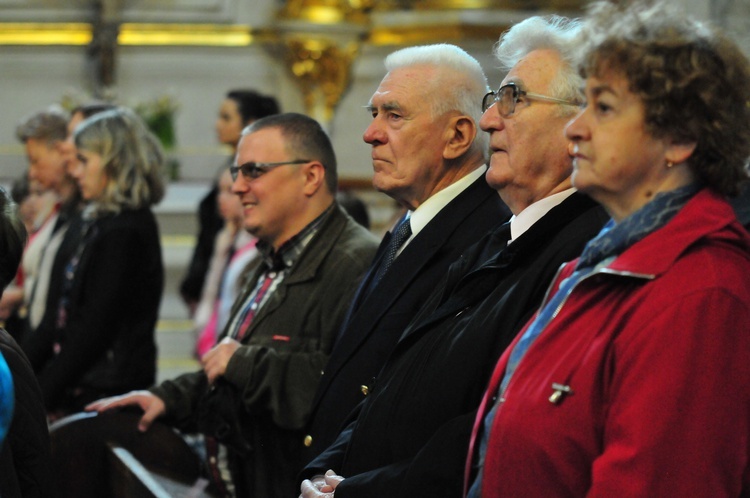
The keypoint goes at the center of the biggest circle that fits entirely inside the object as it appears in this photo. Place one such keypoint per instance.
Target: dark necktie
(400, 235)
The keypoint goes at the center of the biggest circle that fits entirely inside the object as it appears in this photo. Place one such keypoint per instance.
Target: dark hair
(305, 139)
(21, 188)
(694, 83)
(252, 105)
(354, 207)
(12, 239)
(49, 126)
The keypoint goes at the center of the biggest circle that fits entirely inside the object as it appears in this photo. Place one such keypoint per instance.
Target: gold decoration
(327, 11)
(322, 69)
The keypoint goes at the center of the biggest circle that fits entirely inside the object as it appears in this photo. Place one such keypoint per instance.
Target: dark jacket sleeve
(25, 459)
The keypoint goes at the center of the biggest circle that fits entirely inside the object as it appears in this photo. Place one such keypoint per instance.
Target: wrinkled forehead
(535, 71)
(404, 86)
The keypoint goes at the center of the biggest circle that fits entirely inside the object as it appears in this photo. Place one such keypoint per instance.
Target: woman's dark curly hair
(694, 83)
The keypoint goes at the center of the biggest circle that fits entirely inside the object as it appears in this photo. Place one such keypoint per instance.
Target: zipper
(606, 271)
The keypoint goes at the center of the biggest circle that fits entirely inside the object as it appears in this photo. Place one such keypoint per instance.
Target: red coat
(656, 352)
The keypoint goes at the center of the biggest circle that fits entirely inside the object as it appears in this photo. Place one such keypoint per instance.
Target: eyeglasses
(251, 170)
(507, 97)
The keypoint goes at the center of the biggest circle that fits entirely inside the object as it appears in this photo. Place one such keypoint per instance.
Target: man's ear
(461, 132)
(314, 177)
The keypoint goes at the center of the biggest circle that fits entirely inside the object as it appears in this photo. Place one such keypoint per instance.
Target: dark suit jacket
(411, 436)
(376, 321)
(25, 460)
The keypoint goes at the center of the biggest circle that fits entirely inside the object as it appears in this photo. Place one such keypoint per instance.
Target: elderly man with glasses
(255, 389)
(411, 435)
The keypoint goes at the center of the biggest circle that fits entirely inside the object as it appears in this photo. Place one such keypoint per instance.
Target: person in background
(354, 207)
(43, 135)
(36, 207)
(98, 340)
(410, 435)
(70, 221)
(255, 389)
(633, 378)
(233, 249)
(25, 460)
(50, 242)
(238, 109)
(429, 155)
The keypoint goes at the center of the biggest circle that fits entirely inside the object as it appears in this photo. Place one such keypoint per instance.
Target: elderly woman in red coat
(634, 377)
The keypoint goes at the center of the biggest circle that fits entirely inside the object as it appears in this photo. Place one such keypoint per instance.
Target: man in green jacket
(255, 388)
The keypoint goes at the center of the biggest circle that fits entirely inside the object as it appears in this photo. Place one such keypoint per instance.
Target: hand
(152, 406)
(216, 360)
(320, 486)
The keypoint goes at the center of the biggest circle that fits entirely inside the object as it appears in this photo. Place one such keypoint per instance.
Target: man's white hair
(468, 83)
(552, 32)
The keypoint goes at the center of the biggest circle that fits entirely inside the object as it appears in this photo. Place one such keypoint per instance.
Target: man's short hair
(551, 32)
(48, 126)
(468, 83)
(304, 138)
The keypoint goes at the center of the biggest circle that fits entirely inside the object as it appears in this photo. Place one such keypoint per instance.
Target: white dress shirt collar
(533, 213)
(420, 217)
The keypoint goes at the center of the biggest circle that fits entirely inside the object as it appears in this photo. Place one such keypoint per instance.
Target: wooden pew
(105, 455)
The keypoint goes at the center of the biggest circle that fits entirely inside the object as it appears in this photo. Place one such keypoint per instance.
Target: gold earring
(669, 164)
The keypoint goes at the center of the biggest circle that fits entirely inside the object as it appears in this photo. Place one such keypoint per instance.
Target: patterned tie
(399, 236)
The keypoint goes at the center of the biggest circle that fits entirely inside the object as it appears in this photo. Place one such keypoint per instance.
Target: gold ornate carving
(320, 40)
(327, 11)
(322, 69)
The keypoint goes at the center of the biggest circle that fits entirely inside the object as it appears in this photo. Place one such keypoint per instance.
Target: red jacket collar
(706, 215)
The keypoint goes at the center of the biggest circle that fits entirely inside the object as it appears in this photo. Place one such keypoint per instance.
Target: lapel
(406, 268)
(503, 258)
(361, 292)
(467, 287)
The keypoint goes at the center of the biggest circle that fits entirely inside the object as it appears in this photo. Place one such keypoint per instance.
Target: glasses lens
(488, 100)
(507, 100)
(250, 171)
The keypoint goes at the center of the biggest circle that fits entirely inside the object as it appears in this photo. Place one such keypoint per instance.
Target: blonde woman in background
(99, 339)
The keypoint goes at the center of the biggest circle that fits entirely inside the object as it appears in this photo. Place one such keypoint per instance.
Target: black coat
(376, 321)
(411, 436)
(209, 224)
(107, 344)
(25, 460)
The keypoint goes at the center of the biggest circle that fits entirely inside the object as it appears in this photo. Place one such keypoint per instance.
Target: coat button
(308, 441)
(365, 390)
